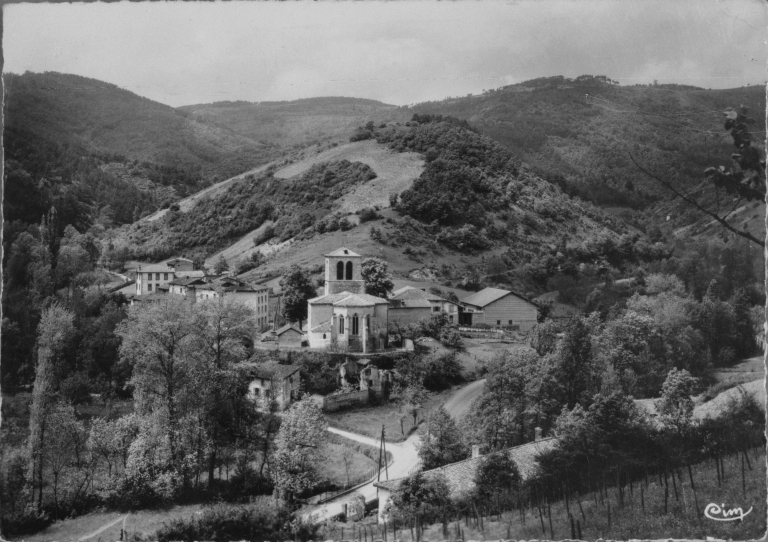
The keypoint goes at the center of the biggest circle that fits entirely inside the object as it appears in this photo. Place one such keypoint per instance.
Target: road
(405, 457)
(458, 404)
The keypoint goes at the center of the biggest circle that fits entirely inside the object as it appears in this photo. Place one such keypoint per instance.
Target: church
(345, 315)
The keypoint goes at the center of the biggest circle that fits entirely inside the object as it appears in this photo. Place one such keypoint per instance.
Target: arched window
(349, 270)
(341, 325)
(340, 271)
(368, 323)
(355, 325)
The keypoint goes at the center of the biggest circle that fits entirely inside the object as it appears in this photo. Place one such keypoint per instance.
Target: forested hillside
(579, 132)
(296, 123)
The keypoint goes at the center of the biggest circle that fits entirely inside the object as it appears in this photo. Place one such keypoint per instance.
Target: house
(186, 286)
(344, 314)
(256, 297)
(289, 335)
(499, 308)
(271, 381)
(409, 305)
(150, 277)
(180, 264)
(460, 476)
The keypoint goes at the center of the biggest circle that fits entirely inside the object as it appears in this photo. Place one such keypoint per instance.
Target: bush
(26, 521)
(367, 214)
(247, 482)
(257, 521)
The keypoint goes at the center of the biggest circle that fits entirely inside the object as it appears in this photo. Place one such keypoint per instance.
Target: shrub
(367, 214)
(26, 521)
(77, 388)
(257, 521)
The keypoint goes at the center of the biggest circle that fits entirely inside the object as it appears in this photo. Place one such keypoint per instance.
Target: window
(340, 271)
(256, 392)
(349, 270)
(149, 287)
(157, 276)
(165, 276)
(355, 325)
(451, 308)
(341, 325)
(436, 309)
(498, 322)
(511, 322)
(323, 335)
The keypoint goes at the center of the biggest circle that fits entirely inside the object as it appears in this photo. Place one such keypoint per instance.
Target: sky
(398, 52)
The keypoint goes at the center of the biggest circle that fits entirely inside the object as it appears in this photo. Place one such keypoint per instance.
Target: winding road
(405, 457)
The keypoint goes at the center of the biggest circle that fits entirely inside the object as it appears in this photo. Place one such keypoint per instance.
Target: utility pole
(383, 454)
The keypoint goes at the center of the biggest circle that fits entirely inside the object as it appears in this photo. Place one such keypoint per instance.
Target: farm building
(409, 305)
(499, 308)
(289, 335)
(460, 476)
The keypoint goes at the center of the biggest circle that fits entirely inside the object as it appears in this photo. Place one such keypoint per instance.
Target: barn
(495, 307)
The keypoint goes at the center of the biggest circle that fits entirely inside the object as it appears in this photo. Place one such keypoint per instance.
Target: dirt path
(103, 528)
(458, 404)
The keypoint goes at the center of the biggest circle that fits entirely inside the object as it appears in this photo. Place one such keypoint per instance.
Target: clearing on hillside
(395, 172)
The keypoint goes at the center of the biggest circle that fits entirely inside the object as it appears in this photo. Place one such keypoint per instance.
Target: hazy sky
(397, 52)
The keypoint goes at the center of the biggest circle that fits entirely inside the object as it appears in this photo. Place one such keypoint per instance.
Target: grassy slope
(299, 122)
(632, 522)
(395, 172)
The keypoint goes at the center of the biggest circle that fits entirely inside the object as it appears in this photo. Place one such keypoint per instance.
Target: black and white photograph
(384, 271)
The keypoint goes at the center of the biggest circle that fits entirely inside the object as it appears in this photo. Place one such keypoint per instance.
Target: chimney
(475, 451)
(538, 433)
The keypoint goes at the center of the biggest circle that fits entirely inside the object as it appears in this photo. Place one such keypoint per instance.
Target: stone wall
(343, 400)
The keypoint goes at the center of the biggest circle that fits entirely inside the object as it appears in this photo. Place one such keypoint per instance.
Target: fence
(342, 400)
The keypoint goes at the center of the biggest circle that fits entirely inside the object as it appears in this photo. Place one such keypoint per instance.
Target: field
(368, 420)
(642, 516)
(143, 523)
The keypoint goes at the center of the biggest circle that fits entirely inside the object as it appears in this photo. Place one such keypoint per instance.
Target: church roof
(329, 299)
(359, 300)
(342, 252)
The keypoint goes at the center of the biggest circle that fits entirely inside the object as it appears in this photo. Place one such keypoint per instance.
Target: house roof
(410, 303)
(163, 287)
(325, 327)
(149, 297)
(270, 369)
(409, 292)
(288, 327)
(460, 476)
(195, 274)
(179, 259)
(154, 268)
(187, 281)
(486, 296)
(342, 252)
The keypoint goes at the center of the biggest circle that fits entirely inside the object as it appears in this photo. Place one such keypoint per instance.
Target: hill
(460, 203)
(101, 118)
(578, 133)
(298, 123)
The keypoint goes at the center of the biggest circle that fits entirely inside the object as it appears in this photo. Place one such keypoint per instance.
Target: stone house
(256, 297)
(271, 381)
(499, 308)
(289, 335)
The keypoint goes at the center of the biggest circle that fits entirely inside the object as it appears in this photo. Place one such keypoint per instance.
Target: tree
(576, 371)
(676, 404)
(441, 441)
(419, 498)
(158, 343)
(497, 476)
(54, 333)
(221, 265)
(412, 397)
(299, 447)
(377, 281)
(297, 291)
(743, 181)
